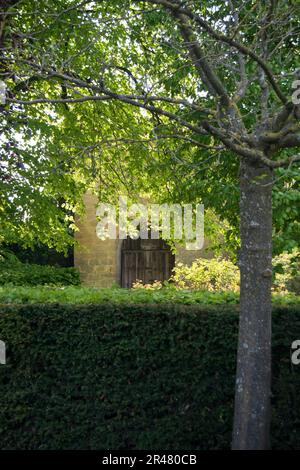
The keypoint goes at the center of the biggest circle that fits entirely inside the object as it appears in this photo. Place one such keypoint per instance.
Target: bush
(133, 377)
(86, 295)
(13, 272)
(207, 274)
(222, 275)
(36, 275)
(156, 285)
(286, 272)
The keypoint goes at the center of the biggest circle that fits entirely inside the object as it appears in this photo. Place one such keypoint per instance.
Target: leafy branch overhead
(241, 74)
(99, 90)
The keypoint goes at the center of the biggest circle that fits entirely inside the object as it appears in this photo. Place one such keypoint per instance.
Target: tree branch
(178, 9)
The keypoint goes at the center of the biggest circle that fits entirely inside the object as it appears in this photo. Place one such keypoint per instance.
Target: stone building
(104, 263)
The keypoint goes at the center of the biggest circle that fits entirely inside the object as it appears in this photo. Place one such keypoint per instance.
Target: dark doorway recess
(145, 260)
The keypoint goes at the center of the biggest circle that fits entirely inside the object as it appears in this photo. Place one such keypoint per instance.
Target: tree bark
(253, 379)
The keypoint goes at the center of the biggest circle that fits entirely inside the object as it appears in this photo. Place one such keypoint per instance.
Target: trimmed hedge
(93, 295)
(23, 274)
(133, 377)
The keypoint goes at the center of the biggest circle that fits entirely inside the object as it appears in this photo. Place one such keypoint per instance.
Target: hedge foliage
(133, 377)
(219, 274)
(86, 295)
(76, 295)
(15, 273)
(214, 274)
(286, 267)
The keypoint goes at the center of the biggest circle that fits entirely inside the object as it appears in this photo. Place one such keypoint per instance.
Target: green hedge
(36, 275)
(133, 377)
(88, 295)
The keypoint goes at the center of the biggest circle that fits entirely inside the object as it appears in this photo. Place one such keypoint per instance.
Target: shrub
(221, 274)
(212, 275)
(87, 295)
(156, 285)
(133, 377)
(13, 272)
(7, 258)
(286, 272)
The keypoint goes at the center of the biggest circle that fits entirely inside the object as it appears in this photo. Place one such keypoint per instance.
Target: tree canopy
(107, 92)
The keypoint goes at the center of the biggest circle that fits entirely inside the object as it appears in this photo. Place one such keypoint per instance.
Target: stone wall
(95, 259)
(99, 261)
(188, 256)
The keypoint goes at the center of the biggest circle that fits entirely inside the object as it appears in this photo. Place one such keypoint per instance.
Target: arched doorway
(145, 260)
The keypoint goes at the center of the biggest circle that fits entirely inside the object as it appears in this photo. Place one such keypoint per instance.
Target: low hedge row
(133, 377)
(23, 274)
(93, 295)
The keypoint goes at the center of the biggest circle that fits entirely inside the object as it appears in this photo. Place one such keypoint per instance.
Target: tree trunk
(253, 379)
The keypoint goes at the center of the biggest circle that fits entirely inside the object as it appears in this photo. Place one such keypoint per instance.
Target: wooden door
(145, 260)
